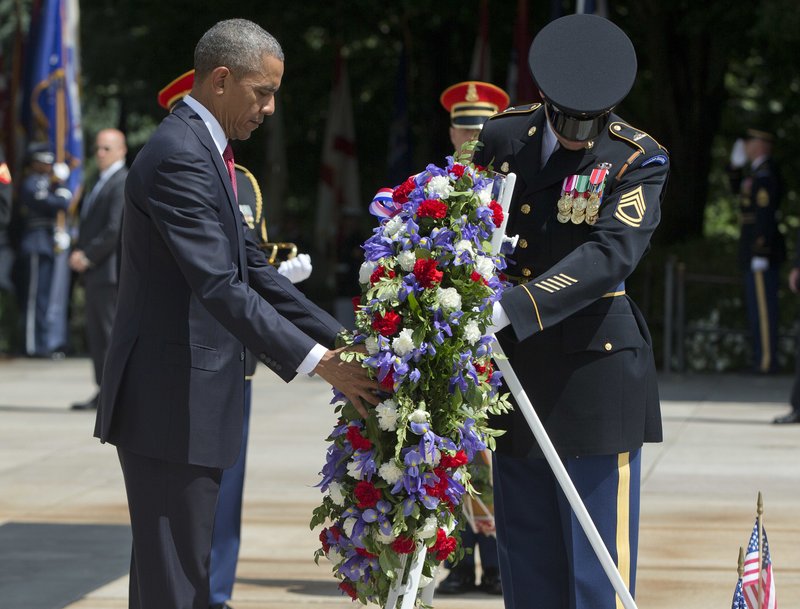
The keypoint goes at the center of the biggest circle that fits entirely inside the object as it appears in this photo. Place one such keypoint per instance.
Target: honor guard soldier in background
(228, 518)
(470, 105)
(42, 195)
(755, 176)
(586, 203)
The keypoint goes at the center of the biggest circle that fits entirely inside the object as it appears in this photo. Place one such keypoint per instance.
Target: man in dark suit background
(194, 293)
(95, 253)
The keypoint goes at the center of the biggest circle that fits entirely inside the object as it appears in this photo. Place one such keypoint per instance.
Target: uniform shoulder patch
(631, 207)
(526, 109)
(650, 148)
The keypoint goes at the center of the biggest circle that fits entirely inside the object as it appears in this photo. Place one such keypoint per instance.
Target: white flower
(387, 415)
(390, 472)
(418, 416)
(433, 458)
(372, 345)
(464, 246)
(393, 226)
(406, 260)
(403, 342)
(348, 525)
(334, 556)
(365, 271)
(439, 186)
(448, 298)
(485, 195)
(335, 491)
(472, 333)
(428, 528)
(485, 267)
(384, 539)
(353, 470)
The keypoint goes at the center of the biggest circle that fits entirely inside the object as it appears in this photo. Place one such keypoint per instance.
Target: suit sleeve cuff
(312, 359)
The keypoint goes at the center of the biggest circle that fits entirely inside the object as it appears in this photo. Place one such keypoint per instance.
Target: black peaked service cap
(584, 65)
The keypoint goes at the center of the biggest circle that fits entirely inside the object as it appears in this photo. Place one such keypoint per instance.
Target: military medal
(565, 203)
(580, 200)
(597, 181)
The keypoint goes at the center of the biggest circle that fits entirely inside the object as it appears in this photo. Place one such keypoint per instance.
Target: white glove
(499, 319)
(62, 240)
(758, 264)
(297, 269)
(738, 155)
(61, 171)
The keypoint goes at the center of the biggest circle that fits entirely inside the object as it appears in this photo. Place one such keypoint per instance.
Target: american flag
(738, 597)
(752, 571)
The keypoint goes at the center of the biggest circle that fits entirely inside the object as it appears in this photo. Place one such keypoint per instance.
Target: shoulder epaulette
(639, 139)
(527, 109)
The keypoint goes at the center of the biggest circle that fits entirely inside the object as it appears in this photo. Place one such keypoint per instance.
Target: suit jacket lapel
(183, 111)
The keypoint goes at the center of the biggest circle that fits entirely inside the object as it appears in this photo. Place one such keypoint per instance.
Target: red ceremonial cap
(472, 102)
(176, 90)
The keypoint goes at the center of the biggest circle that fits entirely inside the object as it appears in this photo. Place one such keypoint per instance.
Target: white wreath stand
(407, 583)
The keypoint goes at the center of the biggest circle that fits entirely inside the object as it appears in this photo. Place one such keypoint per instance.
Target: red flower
(502, 277)
(349, 589)
(323, 538)
(335, 532)
(367, 494)
(400, 194)
(357, 441)
(356, 302)
(458, 459)
(497, 213)
(477, 277)
(387, 324)
(366, 554)
(458, 170)
(479, 167)
(388, 381)
(439, 488)
(444, 545)
(403, 545)
(432, 208)
(380, 272)
(426, 273)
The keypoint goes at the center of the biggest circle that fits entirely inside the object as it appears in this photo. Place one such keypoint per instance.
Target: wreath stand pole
(524, 404)
(406, 585)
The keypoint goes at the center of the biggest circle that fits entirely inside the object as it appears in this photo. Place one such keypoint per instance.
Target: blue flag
(51, 108)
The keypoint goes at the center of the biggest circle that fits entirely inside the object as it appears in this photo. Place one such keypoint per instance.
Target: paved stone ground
(698, 501)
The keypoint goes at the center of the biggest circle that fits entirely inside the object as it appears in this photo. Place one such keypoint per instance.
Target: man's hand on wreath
(350, 378)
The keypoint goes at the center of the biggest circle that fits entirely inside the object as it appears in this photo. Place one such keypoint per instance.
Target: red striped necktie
(227, 156)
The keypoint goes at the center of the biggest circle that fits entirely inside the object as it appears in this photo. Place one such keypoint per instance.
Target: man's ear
(220, 77)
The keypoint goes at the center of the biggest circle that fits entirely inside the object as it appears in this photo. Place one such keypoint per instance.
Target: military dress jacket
(759, 210)
(194, 292)
(578, 343)
(39, 207)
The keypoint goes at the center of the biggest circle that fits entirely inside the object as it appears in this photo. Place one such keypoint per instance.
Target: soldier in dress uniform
(762, 250)
(42, 195)
(228, 517)
(586, 203)
(470, 105)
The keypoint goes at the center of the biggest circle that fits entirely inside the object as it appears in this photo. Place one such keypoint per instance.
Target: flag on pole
(481, 68)
(519, 82)
(51, 113)
(738, 598)
(400, 156)
(752, 572)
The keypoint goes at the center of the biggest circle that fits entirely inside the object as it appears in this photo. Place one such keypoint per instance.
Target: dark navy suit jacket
(194, 293)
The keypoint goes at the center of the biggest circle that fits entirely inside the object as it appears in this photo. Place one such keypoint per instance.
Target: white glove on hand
(61, 171)
(738, 155)
(297, 269)
(758, 264)
(499, 319)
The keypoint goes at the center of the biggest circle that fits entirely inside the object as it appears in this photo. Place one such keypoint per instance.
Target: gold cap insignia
(532, 131)
(472, 93)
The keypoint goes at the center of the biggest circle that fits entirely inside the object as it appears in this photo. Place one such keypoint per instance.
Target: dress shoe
(792, 417)
(458, 581)
(87, 405)
(490, 582)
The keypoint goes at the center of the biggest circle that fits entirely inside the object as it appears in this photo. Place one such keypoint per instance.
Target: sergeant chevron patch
(631, 208)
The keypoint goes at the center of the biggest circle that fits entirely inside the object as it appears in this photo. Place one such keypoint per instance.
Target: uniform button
(608, 346)
(523, 243)
(526, 271)
(525, 209)
(531, 131)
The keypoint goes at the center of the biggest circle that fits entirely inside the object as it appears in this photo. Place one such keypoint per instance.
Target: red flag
(481, 68)
(519, 83)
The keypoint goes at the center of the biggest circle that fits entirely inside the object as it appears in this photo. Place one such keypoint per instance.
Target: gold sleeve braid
(535, 307)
